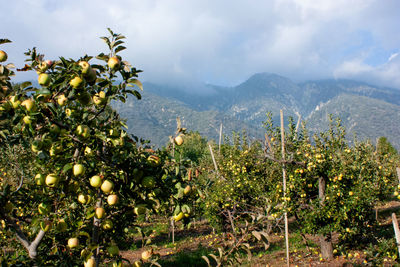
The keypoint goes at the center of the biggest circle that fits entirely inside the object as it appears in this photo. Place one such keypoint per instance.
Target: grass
(184, 258)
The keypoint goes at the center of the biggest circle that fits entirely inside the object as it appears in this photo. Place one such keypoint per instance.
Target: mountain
(366, 110)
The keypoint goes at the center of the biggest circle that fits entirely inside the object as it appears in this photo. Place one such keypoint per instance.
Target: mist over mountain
(366, 110)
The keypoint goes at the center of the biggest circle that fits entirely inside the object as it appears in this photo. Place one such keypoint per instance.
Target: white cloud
(215, 41)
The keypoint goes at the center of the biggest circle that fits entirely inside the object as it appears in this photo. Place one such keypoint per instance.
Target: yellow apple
(73, 242)
(29, 105)
(44, 208)
(95, 181)
(36, 146)
(78, 169)
(52, 180)
(3, 56)
(42, 67)
(153, 160)
(113, 63)
(107, 186)
(100, 98)
(140, 209)
(179, 140)
(83, 198)
(85, 66)
(112, 199)
(147, 255)
(44, 79)
(100, 213)
(107, 224)
(40, 179)
(27, 120)
(14, 101)
(83, 131)
(187, 190)
(76, 82)
(178, 217)
(62, 100)
(90, 263)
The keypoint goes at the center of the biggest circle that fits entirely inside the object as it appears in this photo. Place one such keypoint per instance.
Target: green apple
(178, 140)
(54, 129)
(78, 169)
(107, 224)
(107, 186)
(113, 63)
(62, 100)
(3, 56)
(52, 180)
(91, 76)
(8, 207)
(95, 181)
(61, 225)
(84, 98)
(113, 250)
(83, 199)
(112, 199)
(148, 182)
(44, 79)
(73, 242)
(100, 213)
(44, 208)
(140, 209)
(85, 66)
(40, 179)
(14, 101)
(29, 105)
(76, 82)
(83, 130)
(100, 98)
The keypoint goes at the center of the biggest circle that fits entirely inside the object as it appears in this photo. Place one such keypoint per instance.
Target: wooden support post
(284, 189)
(396, 231)
(220, 139)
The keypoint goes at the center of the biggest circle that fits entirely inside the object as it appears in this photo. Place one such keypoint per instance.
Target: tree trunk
(326, 246)
(324, 240)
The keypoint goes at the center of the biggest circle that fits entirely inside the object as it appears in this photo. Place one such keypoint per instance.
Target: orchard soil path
(201, 235)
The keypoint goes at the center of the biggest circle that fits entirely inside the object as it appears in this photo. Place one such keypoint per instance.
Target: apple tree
(89, 179)
(332, 186)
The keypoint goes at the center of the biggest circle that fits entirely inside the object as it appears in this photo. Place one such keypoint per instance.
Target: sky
(218, 42)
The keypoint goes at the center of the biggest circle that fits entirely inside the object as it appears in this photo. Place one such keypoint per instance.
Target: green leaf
(4, 41)
(67, 167)
(25, 84)
(119, 48)
(137, 83)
